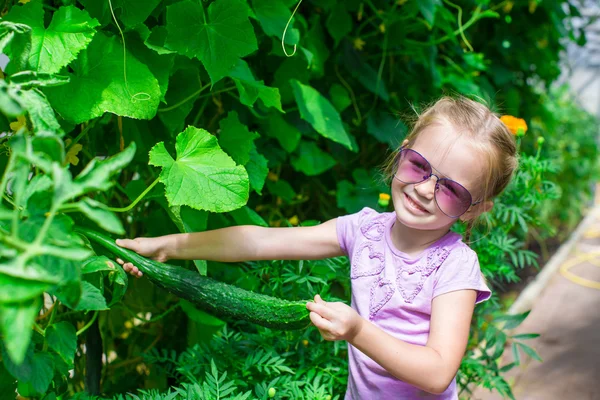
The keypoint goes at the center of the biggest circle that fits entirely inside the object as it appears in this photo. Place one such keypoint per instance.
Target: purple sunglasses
(452, 198)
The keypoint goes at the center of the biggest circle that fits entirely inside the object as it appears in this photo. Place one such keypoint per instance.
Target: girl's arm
(431, 367)
(243, 243)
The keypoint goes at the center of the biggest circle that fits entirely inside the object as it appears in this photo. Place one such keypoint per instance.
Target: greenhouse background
(125, 119)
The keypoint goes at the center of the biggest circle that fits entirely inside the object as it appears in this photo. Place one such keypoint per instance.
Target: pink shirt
(395, 292)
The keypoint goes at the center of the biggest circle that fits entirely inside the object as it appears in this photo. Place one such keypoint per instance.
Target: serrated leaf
(251, 90)
(203, 176)
(62, 338)
(318, 111)
(218, 39)
(69, 32)
(98, 85)
(16, 320)
(311, 160)
(100, 214)
(257, 168)
(236, 139)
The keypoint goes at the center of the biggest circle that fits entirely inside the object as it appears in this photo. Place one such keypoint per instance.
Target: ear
(477, 210)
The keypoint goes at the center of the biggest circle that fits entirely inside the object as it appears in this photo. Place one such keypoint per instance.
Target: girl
(414, 282)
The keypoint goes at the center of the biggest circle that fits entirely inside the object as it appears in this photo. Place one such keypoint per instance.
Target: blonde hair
(487, 132)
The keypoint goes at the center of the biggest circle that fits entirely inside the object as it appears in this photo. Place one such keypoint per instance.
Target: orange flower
(517, 126)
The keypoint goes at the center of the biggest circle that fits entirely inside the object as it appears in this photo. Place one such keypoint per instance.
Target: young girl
(414, 282)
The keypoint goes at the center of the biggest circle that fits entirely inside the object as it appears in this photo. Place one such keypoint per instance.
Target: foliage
(149, 118)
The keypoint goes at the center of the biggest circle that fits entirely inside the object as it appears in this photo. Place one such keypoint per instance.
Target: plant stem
(182, 102)
(140, 197)
(86, 326)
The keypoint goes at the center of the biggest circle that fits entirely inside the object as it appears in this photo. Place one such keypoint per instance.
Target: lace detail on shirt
(381, 292)
(425, 267)
(373, 230)
(366, 263)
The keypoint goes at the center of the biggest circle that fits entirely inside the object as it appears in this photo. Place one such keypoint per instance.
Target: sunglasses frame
(437, 183)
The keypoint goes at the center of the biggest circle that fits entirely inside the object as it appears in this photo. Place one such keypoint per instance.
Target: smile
(413, 206)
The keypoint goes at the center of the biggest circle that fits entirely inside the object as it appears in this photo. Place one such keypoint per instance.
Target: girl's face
(451, 156)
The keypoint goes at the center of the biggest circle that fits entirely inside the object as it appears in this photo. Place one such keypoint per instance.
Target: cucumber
(217, 298)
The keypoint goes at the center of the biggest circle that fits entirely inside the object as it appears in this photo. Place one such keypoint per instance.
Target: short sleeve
(461, 271)
(348, 226)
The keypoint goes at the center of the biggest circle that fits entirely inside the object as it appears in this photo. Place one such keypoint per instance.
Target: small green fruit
(272, 392)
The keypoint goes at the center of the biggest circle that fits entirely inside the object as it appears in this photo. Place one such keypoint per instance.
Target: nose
(426, 188)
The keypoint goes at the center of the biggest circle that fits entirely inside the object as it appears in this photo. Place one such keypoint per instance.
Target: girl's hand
(335, 321)
(153, 248)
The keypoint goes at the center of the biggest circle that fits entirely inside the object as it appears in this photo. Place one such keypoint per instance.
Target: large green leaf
(36, 369)
(236, 139)
(99, 213)
(319, 112)
(98, 85)
(339, 22)
(386, 128)
(203, 176)
(311, 160)
(8, 383)
(129, 12)
(62, 338)
(218, 39)
(250, 89)
(22, 285)
(180, 97)
(69, 32)
(40, 112)
(286, 134)
(258, 170)
(91, 298)
(16, 320)
(273, 15)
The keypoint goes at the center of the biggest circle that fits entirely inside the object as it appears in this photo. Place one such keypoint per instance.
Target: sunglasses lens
(452, 198)
(412, 167)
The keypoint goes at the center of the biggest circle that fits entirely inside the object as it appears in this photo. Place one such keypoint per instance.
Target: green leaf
(247, 216)
(23, 285)
(315, 43)
(236, 139)
(203, 176)
(318, 111)
(364, 73)
(311, 160)
(100, 214)
(530, 352)
(98, 85)
(286, 134)
(525, 336)
(98, 263)
(91, 298)
(250, 89)
(69, 32)
(428, 8)
(8, 383)
(386, 129)
(339, 97)
(352, 197)
(281, 188)
(257, 169)
(31, 79)
(128, 12)
(42, 372)
(156, 40)
(97, 174)
(180, 98)
(40, 112)
(273, 15)
(339, 22)
(219, 40)
(16, 320)
(62, 338)
(290, 68)
(198, 315)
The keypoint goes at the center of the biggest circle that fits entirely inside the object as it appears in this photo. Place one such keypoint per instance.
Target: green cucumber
(215, 297)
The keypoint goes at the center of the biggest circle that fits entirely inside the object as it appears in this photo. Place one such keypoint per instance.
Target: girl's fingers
(320, 322)
(120, 261)
(321, 309)
(318, 299)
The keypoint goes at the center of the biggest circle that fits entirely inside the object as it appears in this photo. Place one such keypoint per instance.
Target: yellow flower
(24, 1)
(71, 156)
(294, 220)
(508, 6)
(384, 199)
(516, 125)
(359, 44)
(382, 27)
(18, 124)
